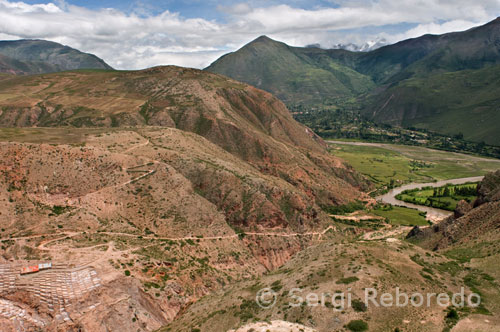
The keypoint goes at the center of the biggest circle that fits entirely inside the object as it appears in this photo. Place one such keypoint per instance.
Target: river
(433, 214)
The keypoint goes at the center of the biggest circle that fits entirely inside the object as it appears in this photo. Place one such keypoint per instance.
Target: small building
(45, 266)
(36, 268)
(30, 269)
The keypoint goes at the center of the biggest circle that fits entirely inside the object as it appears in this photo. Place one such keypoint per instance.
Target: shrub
(358, 305)
(276, 286)
(452, 314)
(343, 209)
(357, 326)
(347, 280)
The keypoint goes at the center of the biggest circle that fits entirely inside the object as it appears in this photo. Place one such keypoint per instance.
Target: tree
(480, 146)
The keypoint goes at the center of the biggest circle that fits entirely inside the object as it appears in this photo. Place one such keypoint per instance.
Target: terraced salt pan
(274, 326)
(10, 310)
(57, 290)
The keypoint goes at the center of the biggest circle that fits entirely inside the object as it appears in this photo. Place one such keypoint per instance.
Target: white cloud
(22, 7)
(130, 41)
(237, 9)
(435, 29)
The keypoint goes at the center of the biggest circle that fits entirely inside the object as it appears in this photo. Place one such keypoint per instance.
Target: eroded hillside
(162, 215)
(212, 182)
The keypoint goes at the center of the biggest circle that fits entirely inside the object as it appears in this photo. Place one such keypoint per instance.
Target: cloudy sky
(133, 34)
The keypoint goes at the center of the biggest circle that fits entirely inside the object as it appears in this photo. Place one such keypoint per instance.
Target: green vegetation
(382, 166)
(473, 250)
(451, 103)
(293, 74)
(357, 326)
(446, 84)
(445, 197)
(344, 209)
(392, 165)
(347, 280)
(248, 308)
(59, 209)
(342, 120)
(41, 56)
(276, 286)
(359, 306)
(374, 223)
(397, 215)
(451, 319)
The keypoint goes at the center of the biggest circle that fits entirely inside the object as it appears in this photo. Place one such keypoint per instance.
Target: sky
(134, 34)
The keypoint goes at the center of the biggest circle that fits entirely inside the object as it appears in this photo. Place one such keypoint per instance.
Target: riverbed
(433, 214)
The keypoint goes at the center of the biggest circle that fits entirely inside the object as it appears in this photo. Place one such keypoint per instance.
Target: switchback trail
(65, 235)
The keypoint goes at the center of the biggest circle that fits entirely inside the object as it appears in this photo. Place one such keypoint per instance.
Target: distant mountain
(366, 47)
(25, 57)
(399, 78)
(12, 66)
(448, 83)
(293, 74)
(428, 54)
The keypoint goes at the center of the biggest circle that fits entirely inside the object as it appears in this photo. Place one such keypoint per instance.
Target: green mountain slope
(448, 83)
(295, 75)
(24, 57)
(16, 67)
(429, 54)
(436, 82)
(466, 102)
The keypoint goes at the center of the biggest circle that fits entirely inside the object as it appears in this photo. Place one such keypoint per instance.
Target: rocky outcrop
(489, 189)
(463, 207)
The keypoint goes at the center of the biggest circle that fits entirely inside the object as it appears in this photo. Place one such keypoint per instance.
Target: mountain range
(166, 198)
(25, 57)
(434, 82)
(293, 74)
(365, 47)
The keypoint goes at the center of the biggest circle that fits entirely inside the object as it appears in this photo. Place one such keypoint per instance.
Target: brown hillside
(211, 182)
(243, 120)
(165, 204)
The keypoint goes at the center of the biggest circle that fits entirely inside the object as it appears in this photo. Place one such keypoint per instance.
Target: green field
(445, 197)
(388, 165)
(400, 215)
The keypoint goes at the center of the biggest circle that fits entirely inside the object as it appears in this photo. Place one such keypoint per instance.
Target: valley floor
(391, 165)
